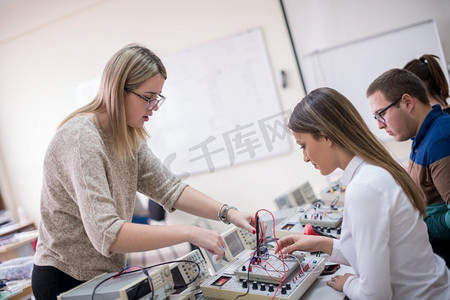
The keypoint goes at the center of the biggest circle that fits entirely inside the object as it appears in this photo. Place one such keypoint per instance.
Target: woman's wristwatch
(223, 212)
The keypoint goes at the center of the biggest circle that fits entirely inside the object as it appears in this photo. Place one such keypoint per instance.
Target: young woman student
(384, 238)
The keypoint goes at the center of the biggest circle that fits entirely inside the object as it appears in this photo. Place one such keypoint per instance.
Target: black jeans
(48, 282)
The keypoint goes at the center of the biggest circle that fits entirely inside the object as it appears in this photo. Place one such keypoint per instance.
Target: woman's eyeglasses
(151, 103)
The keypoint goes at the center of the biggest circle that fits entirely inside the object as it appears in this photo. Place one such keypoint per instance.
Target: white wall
(47, 47)
(326, 23)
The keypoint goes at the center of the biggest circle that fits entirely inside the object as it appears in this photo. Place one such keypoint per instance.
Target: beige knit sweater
(88, 193)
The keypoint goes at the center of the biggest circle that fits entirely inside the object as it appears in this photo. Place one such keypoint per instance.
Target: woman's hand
(246, 221)
(308, 243)
(208, 239)
(196, 203)
(337, 282)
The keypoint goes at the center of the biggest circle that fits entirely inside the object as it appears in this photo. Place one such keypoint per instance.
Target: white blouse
(385, 240)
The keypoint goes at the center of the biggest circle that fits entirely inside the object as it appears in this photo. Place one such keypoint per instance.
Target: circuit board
(232, 281)
(268, 268)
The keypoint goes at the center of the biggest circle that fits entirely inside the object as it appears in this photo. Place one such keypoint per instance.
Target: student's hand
(337, 282)
(207, 239)
(245, 221)
(298, 242)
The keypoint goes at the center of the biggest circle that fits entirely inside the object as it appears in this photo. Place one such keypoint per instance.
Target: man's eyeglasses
(379, 115)
(151, 102)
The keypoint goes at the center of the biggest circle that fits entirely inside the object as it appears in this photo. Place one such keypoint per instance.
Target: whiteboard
(222, 107)
(351, 67)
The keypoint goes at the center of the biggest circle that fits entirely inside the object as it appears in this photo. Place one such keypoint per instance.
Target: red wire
(278, 246)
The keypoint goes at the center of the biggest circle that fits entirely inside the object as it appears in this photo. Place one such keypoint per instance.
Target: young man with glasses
(400, 105)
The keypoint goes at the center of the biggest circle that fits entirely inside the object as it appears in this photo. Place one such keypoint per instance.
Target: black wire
(193, 280)
(248, 274)
(257, 250)
(146, 272)
(257, 233)
(150, 281)
(101, 282)
(175, 261)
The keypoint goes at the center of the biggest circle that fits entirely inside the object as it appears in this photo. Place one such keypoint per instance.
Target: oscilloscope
(237, 241)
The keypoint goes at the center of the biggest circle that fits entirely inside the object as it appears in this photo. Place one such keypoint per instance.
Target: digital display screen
(288, 226)
(139, 290)
(221, 281)
(234, 243)
(217, 265)
(178, 280)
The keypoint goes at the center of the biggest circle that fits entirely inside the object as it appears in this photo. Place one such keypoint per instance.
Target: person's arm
(336, 254)
(156, 181)
(138, 237)
(308, 243)
(196, 203)
(367, 209)
(438, 221)
(440, 174)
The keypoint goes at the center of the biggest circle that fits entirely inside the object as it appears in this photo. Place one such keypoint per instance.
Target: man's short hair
(396, 82)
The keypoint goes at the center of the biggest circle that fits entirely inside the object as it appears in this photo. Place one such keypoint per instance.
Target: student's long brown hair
(326, 112)
(128, 68)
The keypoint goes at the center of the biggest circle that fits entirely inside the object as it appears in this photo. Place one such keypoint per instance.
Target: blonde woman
(384, 238)
(95, 164)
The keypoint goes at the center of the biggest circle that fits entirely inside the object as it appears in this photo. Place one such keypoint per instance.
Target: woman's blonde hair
(128, 68)
(326, 112)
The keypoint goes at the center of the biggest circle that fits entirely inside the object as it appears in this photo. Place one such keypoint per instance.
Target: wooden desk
(16, 227)
(21, 289)
(22, 246)
(19, 242)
